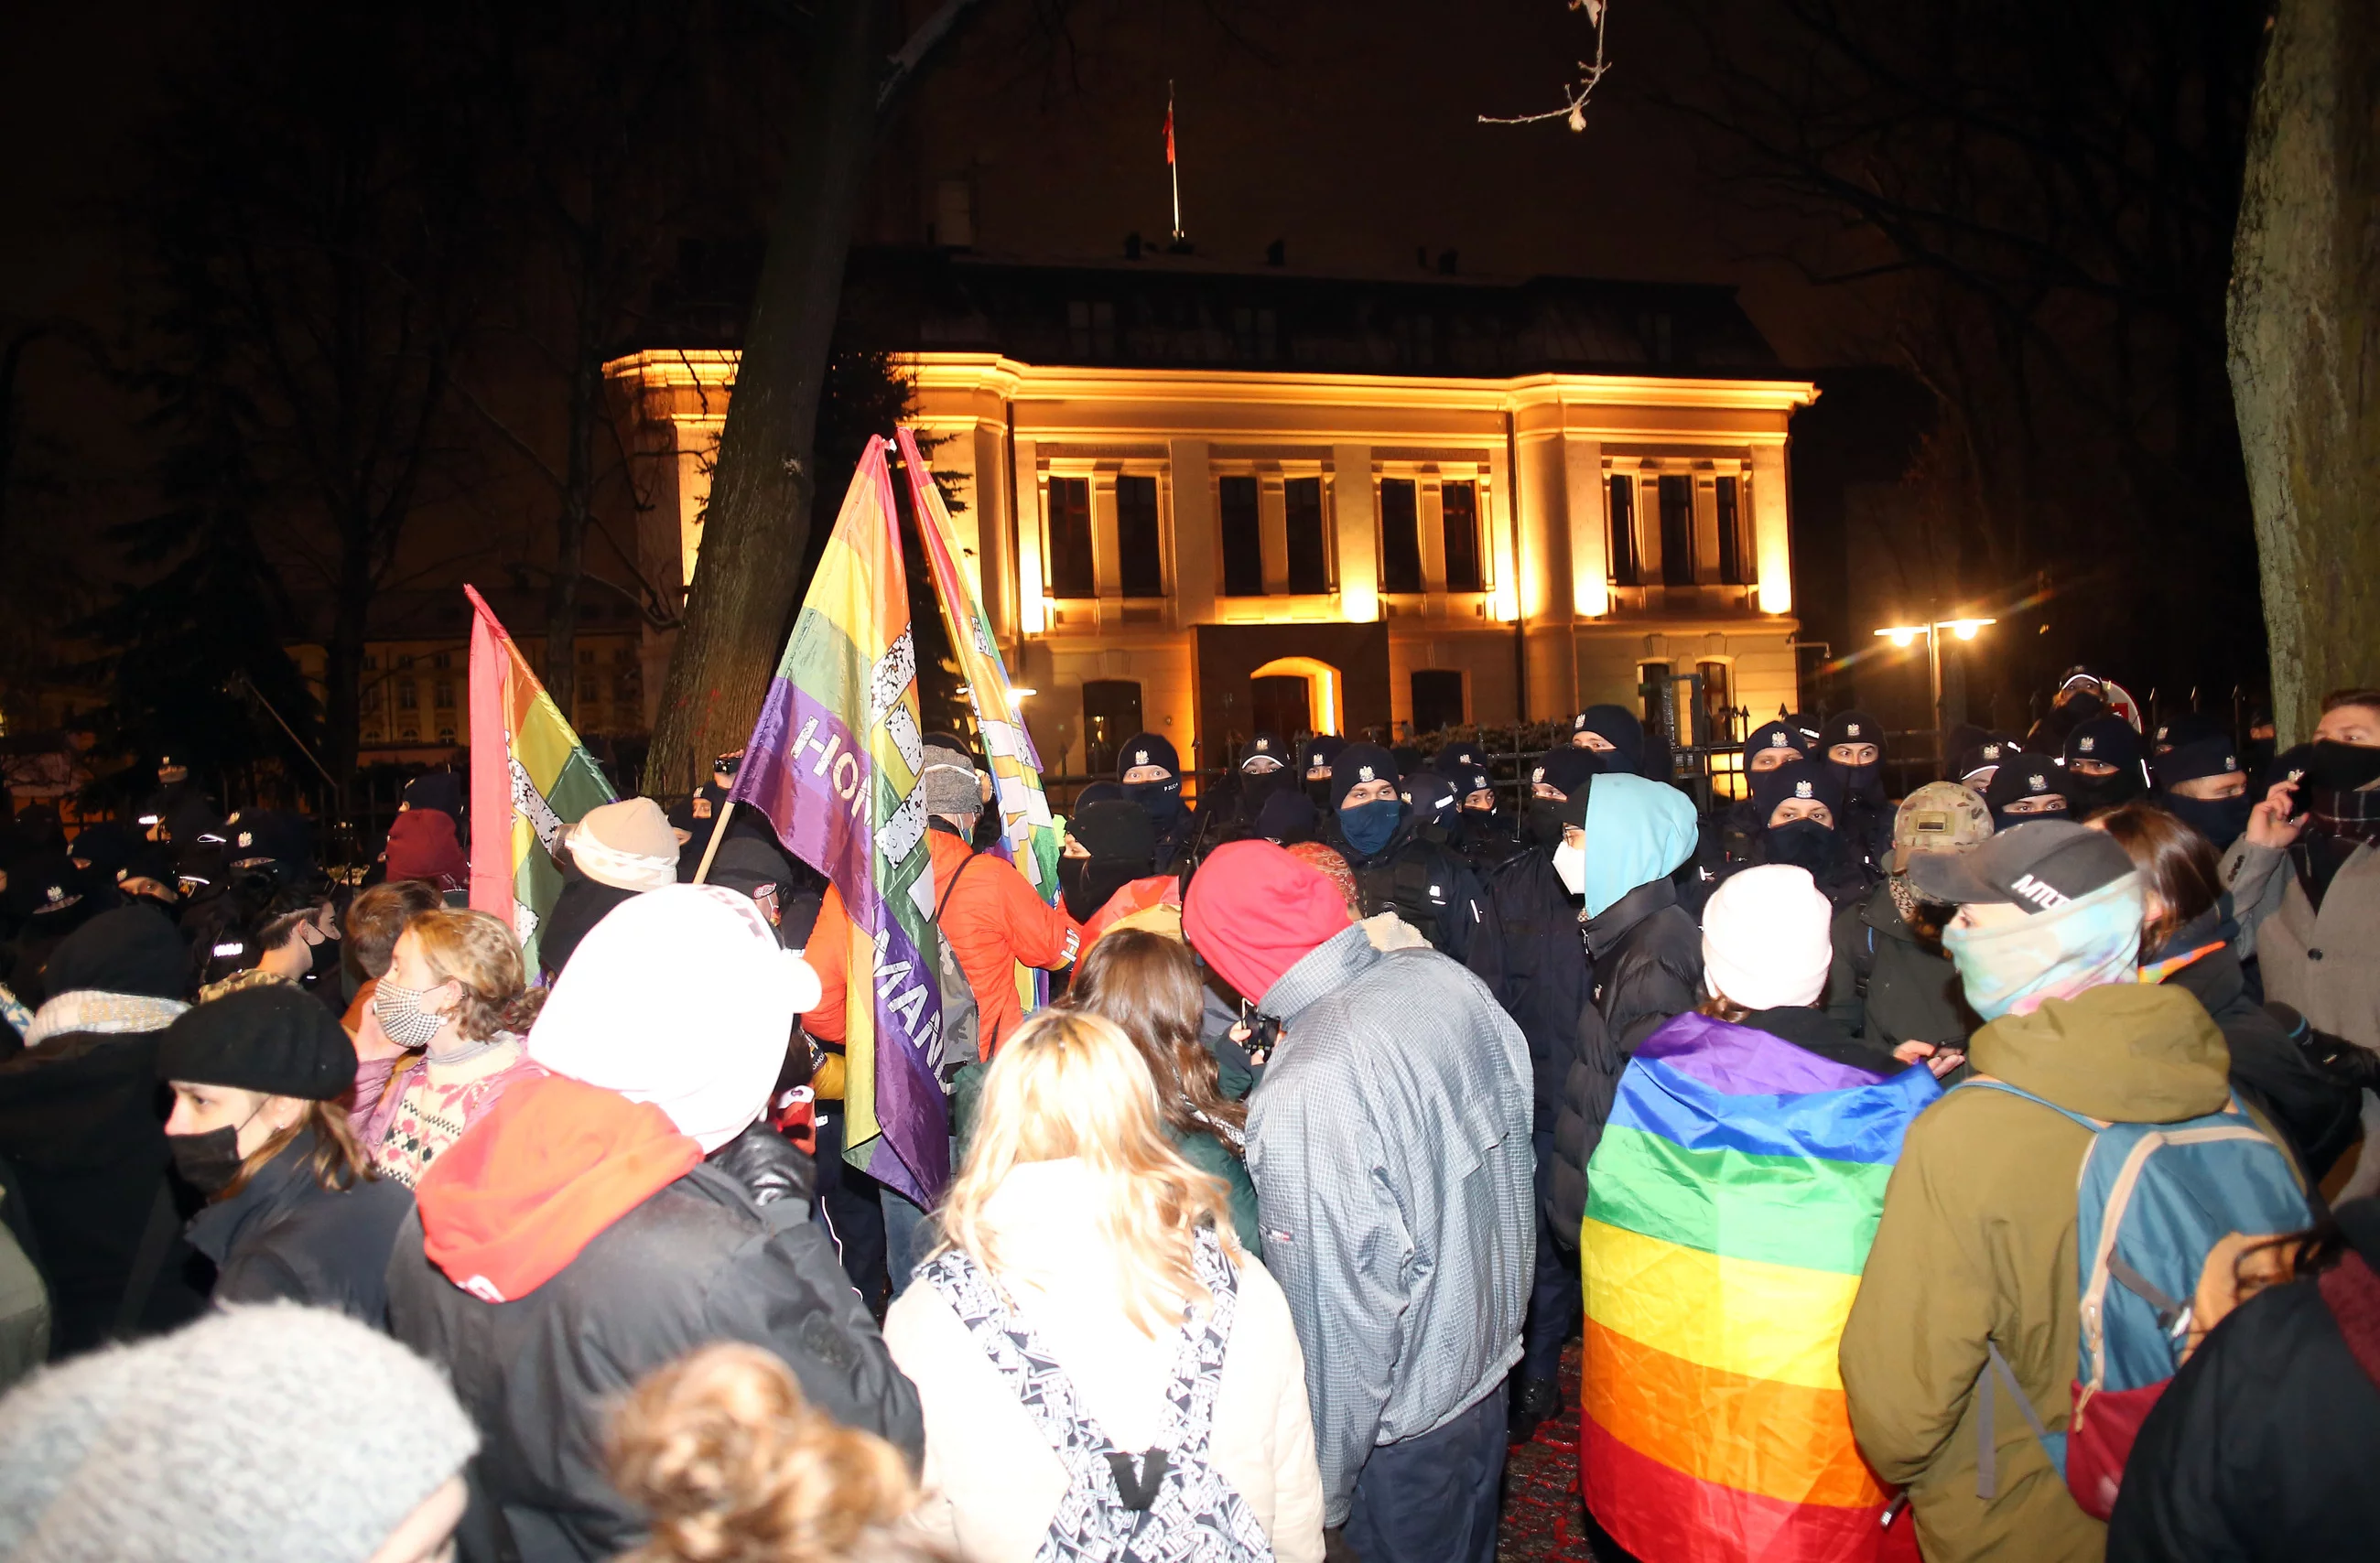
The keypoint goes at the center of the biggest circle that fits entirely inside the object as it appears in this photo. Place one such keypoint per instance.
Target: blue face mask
(1368, 825)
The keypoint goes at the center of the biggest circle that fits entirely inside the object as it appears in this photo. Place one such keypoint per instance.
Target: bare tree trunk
(759, 517)
(2304, 325)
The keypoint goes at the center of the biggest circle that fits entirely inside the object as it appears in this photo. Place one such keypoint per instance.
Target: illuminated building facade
(1204, 503)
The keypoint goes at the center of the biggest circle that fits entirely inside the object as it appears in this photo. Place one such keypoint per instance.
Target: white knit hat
(223, 1443)
(683, 997)
(1767, 938)
(627, 845)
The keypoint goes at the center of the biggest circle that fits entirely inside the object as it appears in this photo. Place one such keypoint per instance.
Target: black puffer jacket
(1647, 959)
(1531, 951)
(705, 1259)
(285, 1236)
(2261, 1445)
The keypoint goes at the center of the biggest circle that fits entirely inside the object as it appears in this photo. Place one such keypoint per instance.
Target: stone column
(1031, 615)
(1351, 506)
(1772, 542)
(1583, 500)
(1195, 540)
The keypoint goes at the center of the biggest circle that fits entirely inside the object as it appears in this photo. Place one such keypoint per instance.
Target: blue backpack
(2152, 1202)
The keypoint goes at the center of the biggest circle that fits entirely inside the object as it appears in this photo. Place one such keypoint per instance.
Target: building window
(441, 660)
(1139, 550)
(408, 697)
(1310, 548)
(372, 735)
(1677, 530)
(1735, 550)
(1461, 501)
(1255, 335)
(1626, 563)
(446, 734)
(1111, 715)
(1718, 716)
(1243, 537)
(1437, 699)
(1091, 329)
(444, 693)
(411, 735)
(1070, 539)
(1660, 696)
(1400, 537)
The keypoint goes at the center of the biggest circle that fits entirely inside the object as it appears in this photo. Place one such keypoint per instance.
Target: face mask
(2092, 793)
(2343, 767)
(2220, 820)
(1255, 791)
(2017, 967)
(1071, 877)
(1804, 843)
(1319, 791)
(1158, 800)
(1570, 867)
(402, 1017)
(1545, 823)
(1370, 826)
(209, 1162)
(1864, 782)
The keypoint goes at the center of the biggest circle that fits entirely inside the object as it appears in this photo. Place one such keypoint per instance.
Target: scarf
(110, 1014)
(2336, 823)
(2016, 968)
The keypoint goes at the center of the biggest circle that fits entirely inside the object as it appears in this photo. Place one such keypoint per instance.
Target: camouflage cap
(1939, 817)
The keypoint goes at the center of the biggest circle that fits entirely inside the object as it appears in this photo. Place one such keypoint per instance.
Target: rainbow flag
(833, 763)
(1731, 1204)
(531, 778)
(1030, 838)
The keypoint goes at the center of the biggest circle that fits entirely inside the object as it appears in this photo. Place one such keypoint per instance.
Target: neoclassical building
(1203, 501)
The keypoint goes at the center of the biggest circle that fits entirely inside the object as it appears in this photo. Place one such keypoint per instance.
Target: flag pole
(1172, 164)
(718, 834)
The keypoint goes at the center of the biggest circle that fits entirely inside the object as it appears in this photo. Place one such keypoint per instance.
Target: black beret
(272, 1037)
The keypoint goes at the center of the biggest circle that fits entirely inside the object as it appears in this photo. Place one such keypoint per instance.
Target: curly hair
(378, 915)
(479, 954)
(735, 1466)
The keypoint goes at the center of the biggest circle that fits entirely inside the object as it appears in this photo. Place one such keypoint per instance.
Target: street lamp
(1905, 635)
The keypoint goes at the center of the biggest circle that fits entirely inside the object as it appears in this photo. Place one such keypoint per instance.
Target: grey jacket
(2321, 963)
(1390, 1146)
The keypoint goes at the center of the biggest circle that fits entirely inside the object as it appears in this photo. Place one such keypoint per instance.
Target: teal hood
(1637, 831)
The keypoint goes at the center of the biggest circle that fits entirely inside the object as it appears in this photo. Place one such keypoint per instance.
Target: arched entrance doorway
(1294, 695)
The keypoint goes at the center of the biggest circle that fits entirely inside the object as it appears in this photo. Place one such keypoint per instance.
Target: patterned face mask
(408, 1024)
(2016, 968)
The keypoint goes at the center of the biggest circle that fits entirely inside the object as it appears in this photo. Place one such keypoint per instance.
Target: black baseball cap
(2039, 865)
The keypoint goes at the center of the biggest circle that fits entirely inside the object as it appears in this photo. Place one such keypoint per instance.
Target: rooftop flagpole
(1171, 166)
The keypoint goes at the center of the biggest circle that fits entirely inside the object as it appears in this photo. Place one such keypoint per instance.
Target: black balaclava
(1863, 783)
(1323, 749)
(1979, 763)
(1468, 782)
(1122, 844)
(1368, 828)
(1257, 787)
(1430, 799)
(1804, 843)
(2028, 775)
(1162, 801)
(1617, 726)
(2109, 739)
(2188, 748)
(1459, 759)
(1779, 734)
(1287, 817)
(1569, 770)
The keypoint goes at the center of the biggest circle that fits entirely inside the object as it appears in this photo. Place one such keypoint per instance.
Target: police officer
(1321, 752)
(1981, 761)
(2080, 695)
(1738, 824)
(1852, 744)
(1149, 771)
(2105, 765)
(2199, 779)
(177, 810)
(2026, 787)
(1400, 863)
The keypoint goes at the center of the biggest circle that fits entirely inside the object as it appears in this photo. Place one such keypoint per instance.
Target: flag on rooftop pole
(833, 763)
(1029, 835)
(1731, 1204)
(531, 778)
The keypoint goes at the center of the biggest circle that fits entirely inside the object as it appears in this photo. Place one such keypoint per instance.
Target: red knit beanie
(1252, 912)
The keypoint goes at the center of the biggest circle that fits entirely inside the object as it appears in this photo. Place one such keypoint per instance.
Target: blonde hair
(479, 954)
(1070, 1084)
(735, 1466)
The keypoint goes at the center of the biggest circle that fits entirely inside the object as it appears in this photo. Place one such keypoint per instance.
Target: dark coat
(2319, 1113)
(2262, 1446)
(1814, 1031)
(285, 1236)
(1531, 951)
(1887, 987)
(1421, 879)
(703, 1260)
(1647, 961)
(82, 1123)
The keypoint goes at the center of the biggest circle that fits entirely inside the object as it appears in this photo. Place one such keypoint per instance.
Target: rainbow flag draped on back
(1731, 1204)
(833, 763)
(1029, 836)
(531, 778)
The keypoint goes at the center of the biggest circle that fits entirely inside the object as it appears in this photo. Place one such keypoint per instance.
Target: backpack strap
(1996, 1372)
(2092, 1124)
(956, 875)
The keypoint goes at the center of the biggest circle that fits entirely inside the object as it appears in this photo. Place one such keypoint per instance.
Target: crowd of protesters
(345, 1222)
